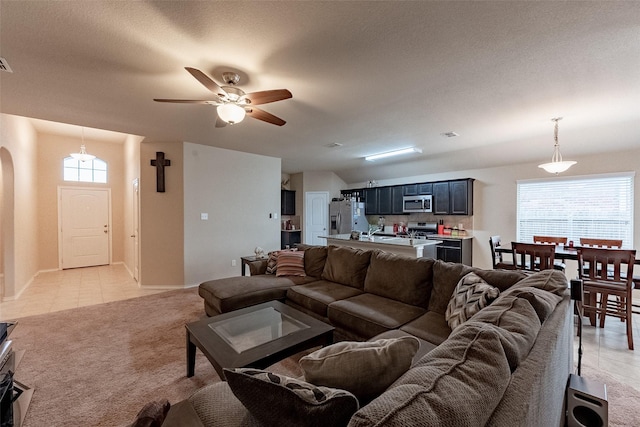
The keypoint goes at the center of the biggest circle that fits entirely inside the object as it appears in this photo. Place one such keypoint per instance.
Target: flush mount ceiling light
(393, 153)
(556, 165)
(83, 156)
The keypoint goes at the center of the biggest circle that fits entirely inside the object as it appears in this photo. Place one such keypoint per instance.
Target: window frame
(80, 171)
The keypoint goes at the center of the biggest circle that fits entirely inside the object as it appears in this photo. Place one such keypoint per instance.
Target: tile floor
(60, 290)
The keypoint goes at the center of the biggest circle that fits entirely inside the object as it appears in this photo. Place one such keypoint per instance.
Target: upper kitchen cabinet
(421, 189)
(378, 201)
(453, 197)
(371, 201)
(384, 201)
(397, 205)
(288, 202)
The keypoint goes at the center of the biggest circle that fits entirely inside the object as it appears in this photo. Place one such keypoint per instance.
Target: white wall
(237, 191)
(494, 195)
(18, 138)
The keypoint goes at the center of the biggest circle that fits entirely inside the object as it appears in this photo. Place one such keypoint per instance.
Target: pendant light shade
(83, 156)
(557, 165)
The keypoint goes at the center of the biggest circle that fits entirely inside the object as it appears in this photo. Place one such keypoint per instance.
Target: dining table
(564, 252)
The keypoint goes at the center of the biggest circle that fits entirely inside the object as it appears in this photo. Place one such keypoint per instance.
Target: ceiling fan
(232, 102)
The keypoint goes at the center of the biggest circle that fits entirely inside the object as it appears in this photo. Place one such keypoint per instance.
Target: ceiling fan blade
(185, 101)
(266, 96)
(259, 114)
(206, 81)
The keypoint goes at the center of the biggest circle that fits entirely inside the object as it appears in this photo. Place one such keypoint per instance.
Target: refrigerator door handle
(338, 221)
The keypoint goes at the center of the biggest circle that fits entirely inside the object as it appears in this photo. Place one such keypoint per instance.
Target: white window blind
(596, 206)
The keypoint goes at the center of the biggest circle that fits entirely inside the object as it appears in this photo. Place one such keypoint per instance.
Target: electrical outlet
(233, 263)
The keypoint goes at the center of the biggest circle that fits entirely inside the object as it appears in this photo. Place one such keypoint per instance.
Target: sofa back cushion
(404, 279)
(446, 276)
(347, 266)
(501, 279)
(314, 260)
(459, 383)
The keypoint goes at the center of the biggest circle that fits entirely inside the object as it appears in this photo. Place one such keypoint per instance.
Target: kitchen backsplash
(449, 220)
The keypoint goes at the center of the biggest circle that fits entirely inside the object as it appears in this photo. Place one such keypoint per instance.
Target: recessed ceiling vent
(449, 134)
(334, 145)
(4, 65)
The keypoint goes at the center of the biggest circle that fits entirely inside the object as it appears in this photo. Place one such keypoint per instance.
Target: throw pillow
(470, 296)
(272, 262)
(366, 369)
(278, 400)
(152, 414)
(290, 264)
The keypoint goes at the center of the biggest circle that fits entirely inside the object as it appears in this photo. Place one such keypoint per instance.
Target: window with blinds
(596, 206)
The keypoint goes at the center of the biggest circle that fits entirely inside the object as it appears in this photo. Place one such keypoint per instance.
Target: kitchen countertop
(439, 236)
(386, 240)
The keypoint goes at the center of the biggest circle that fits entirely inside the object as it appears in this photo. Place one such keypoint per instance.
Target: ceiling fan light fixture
(231, 113)
(82, 156)
(379, 156)
(556, 165)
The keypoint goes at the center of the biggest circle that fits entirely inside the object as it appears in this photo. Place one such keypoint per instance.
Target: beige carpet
(98, 365)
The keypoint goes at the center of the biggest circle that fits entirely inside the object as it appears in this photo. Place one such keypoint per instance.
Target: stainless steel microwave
(417, 204)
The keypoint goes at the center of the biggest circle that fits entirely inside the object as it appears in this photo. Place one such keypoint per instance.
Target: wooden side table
(246, 260)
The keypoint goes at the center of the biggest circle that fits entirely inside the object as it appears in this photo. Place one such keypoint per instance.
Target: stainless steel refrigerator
(347, 216)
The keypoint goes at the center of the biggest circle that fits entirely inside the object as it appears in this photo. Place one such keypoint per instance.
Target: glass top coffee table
(255, 337)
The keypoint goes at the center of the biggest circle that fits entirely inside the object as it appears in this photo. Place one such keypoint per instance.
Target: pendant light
(556, 165)
(83, 156)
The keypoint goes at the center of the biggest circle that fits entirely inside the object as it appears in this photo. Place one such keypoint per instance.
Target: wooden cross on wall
(160, 162)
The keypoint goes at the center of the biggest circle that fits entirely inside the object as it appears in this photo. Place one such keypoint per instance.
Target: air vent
(334, 145)
(4, 65)
(449, 134)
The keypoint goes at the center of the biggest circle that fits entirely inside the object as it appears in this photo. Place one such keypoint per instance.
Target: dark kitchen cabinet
(371, 201)
(454, 250)
(287, 202)
(411, 189)
(453, 197)
(397, 193)
(441, 198)
(384, 200)
(426, 188)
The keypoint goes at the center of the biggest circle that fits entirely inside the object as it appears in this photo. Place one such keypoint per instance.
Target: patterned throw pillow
(470, 296)
(290, 264)
(272, 262)
(278, 400)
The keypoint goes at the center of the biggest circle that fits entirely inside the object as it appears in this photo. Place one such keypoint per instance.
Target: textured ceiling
(372, 76)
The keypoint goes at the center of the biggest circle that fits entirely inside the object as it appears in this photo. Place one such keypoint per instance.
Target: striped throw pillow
(290, 264)
(470, 296)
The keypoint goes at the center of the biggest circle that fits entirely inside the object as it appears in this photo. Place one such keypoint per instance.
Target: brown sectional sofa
(507, 365)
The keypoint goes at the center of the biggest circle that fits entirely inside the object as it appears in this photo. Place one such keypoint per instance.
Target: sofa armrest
(258, 267)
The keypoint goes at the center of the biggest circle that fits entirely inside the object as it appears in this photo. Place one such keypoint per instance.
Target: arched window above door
(85, 171)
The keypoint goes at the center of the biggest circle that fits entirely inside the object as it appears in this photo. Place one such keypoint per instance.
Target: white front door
(136, 229)
(84, 227)
(316, 217)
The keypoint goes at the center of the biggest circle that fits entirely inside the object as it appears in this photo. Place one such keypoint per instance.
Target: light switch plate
(204, 216)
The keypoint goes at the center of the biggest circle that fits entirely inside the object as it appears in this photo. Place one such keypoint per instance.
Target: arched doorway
(7, 254)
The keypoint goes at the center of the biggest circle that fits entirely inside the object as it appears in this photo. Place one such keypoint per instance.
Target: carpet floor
(99, 365)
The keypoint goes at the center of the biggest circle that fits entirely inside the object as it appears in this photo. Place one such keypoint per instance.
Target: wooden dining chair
(606, 272)
(551, 240)
(601, 243)
(533, 256)
(496, 257)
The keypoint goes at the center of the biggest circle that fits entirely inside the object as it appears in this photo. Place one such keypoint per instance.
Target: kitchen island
(417, 248)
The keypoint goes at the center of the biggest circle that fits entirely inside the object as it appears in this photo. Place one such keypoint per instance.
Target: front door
(84, 227)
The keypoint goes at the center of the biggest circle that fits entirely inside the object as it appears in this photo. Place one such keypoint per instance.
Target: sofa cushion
(290, 264)
(215, 405)
(471, 295)
(318, 295)
(365, 369)
(425, 346)
(398, 277)
(446, 276)
(232, 293)
(314, 260)
(520, 322)
(272, 262)
(152, 414)
(553, 281)
(431, 327)
(278, 400)
(501, 279)
(347, 266)
(457, 384)
(543, 302)
(368, 315)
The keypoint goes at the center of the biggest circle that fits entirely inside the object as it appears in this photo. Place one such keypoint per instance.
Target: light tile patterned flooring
(60, 290)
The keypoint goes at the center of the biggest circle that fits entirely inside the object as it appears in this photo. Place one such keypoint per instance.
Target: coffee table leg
(191, 356)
